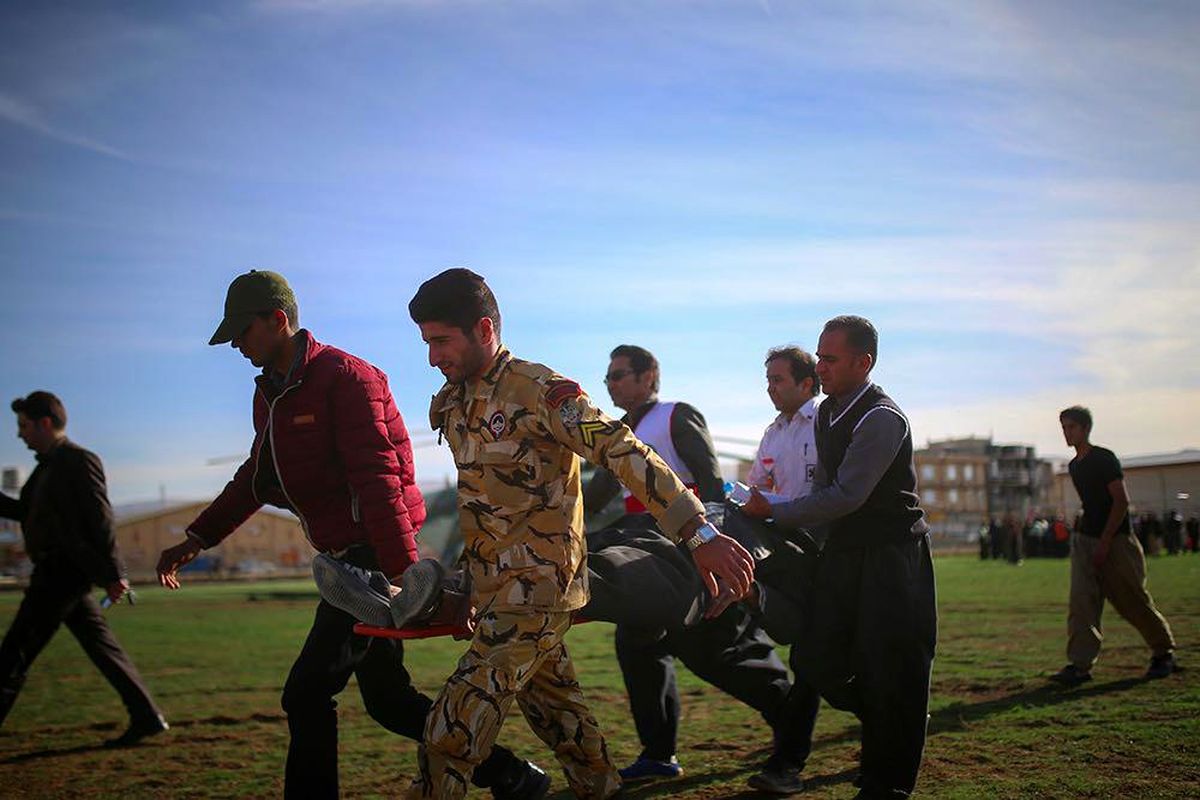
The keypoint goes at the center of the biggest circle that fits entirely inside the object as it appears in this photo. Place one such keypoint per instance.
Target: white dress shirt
(786, 460)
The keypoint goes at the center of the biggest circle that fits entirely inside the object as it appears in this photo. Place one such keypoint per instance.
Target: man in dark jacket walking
(329, 445)
(67, 523)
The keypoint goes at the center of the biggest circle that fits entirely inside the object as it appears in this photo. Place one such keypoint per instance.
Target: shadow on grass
(957, 715)
(38, 755)
(58, 752)
(697, 781)
(951, 718)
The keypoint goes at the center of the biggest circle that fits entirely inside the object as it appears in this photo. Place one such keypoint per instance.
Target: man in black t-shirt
(1107, 562)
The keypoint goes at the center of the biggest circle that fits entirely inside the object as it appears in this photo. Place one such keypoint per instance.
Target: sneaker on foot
(646, 768)
(1162, 666)
(1071, 675)
(420, 592)
(531, 784)
(359, 592)
(781, 781)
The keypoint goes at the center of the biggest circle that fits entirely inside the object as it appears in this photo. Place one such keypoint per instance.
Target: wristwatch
(703, 535)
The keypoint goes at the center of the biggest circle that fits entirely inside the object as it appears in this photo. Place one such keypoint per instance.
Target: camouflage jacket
(516, 436)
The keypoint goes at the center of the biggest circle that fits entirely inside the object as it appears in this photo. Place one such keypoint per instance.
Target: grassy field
(216, 656)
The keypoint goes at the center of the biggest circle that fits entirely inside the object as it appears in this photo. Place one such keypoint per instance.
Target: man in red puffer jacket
(329, 445)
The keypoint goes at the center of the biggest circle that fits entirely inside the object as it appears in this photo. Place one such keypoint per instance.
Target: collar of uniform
(485, 387)
(808, 411)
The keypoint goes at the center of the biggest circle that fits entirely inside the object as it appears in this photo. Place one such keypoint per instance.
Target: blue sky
(1011, 191)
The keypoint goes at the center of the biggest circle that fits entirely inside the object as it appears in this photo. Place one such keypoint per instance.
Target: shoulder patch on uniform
(570, 414)
(561, 390)
(496, 424)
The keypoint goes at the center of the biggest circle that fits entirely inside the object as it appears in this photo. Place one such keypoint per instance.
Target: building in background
(954, 493)
(1015, 483)
(271, 542)
(12, 546)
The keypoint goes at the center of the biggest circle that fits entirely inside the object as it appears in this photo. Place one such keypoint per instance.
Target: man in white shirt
(784, 465)
(787, 455)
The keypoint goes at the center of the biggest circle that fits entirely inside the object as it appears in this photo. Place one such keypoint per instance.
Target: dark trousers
(869, 650)
(731, 652)
(59, 594)
(331, 654)
(785, 578)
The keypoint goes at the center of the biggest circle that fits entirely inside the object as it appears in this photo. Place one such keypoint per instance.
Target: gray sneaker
(361, 593)
(420, 592)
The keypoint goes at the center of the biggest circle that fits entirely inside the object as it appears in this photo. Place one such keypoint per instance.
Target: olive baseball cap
(251, 294)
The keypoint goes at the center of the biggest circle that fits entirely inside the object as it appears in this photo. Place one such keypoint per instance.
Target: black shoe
(138, 730)
(532, 784)
(780, 781)
(1071, 675)
(1162, 666)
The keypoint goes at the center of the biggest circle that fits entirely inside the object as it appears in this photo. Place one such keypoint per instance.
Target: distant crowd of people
(1169, 533)
(1050, 537)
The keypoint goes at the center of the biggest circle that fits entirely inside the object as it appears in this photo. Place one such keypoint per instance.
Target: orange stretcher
(422, 631)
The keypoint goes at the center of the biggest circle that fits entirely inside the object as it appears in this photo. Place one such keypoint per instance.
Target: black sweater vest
(892, 512)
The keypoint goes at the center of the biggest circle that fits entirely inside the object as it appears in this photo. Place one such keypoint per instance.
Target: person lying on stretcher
(635, 576)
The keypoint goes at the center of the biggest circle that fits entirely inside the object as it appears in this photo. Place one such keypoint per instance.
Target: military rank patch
(589, 430)
(558, 392)
(496, 424)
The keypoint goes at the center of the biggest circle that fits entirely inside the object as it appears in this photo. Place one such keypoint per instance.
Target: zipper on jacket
(278, 471)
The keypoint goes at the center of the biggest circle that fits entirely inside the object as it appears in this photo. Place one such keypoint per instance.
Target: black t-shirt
(1091, 475)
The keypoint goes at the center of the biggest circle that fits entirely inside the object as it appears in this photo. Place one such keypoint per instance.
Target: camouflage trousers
(517, 656)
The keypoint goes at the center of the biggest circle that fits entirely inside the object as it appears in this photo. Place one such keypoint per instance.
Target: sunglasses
(618, 374)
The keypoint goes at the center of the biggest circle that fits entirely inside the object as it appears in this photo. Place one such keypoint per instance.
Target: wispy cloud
(23, 114)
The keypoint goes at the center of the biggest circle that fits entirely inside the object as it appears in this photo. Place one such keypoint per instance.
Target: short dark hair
(289, 310)
(801, 362)
(1077, 414)
(39, 405)
(457, 297)
(860, 334)
(640, 359)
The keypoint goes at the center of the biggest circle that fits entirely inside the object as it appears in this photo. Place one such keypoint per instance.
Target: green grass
(216, 656)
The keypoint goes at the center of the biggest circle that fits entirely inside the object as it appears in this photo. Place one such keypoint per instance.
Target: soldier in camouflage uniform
(516, 430)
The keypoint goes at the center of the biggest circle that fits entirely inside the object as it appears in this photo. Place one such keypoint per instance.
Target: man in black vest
(869, 641)
(68, 527)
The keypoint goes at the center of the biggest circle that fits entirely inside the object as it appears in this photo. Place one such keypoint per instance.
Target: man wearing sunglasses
(329, 445)
(730, 651)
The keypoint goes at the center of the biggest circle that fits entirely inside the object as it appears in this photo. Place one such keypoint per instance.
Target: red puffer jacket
(343, 459)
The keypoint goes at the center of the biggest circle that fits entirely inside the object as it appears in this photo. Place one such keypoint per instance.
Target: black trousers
(731, 652)
(869, 650)
(785, 578)
(331, 654)
(59, 594)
